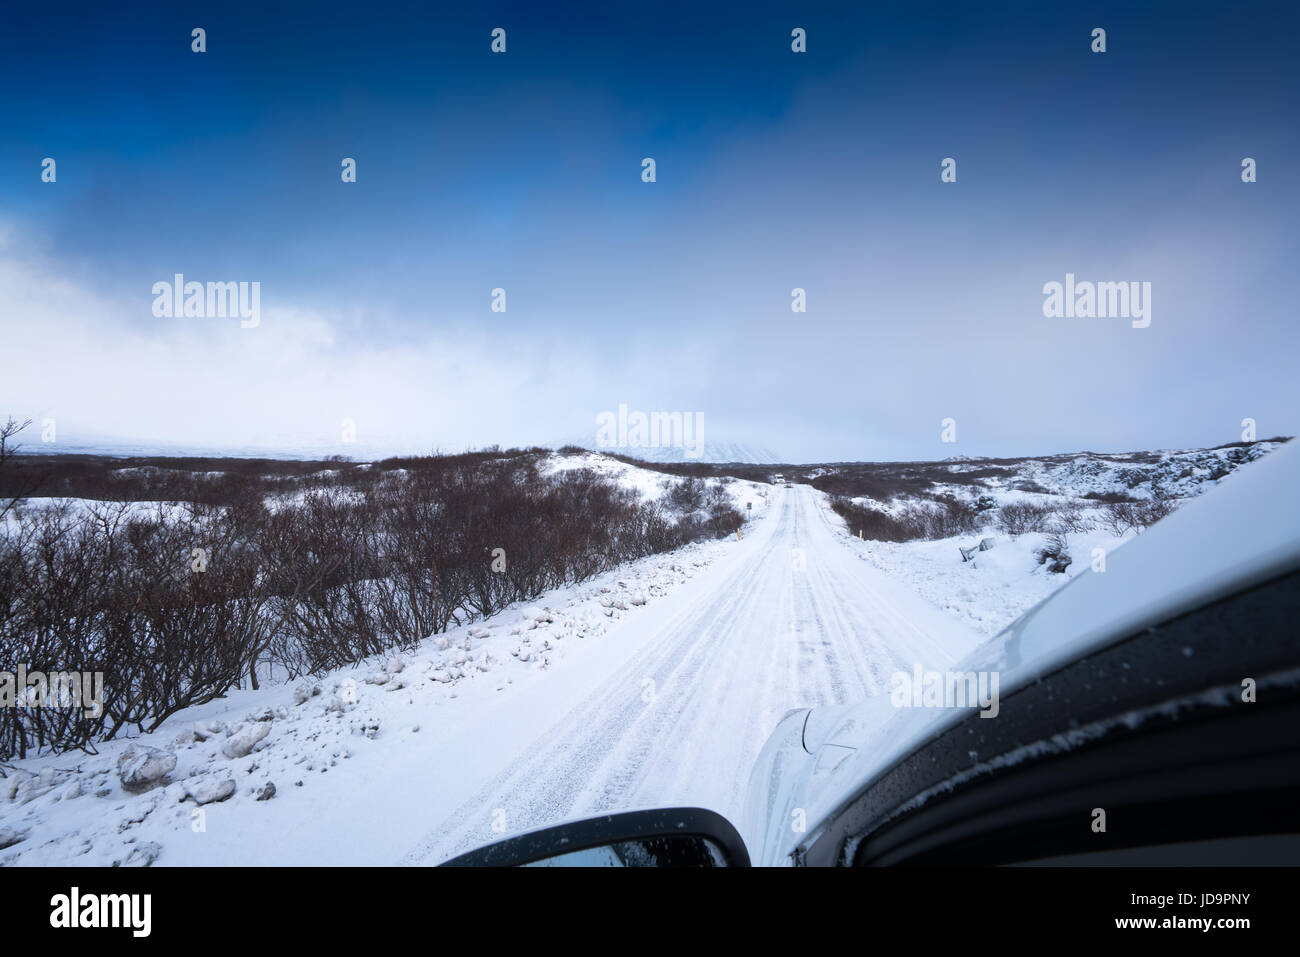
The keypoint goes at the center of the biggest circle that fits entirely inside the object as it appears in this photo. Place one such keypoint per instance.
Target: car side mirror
(672, 837)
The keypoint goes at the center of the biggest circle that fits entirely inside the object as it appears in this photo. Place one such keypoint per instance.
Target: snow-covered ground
(651, 485)
(996, 586)
(1176, 474)
(1180, 473)
(653, 685)
(328, 741)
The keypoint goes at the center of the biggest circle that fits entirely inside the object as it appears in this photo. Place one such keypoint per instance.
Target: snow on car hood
(1243, 532)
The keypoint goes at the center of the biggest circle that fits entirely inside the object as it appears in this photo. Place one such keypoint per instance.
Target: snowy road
(655, 684)
(681, 704)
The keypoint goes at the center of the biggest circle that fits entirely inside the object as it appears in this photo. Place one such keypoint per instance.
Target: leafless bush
(1055, 553)
(457, 541)
(872, 523)
(345, 571)
(1071, 517)
(1108, 498)
(183, 617)
(951, 516)
(326, 600)
(941, 518)
(51, 600)
(1119, 517)
(15, 487)
(687, 495)
(1017, 518)
(1153, 510)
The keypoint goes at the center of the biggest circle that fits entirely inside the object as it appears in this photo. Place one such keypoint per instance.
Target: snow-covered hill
(712, 452)
(1177, 474)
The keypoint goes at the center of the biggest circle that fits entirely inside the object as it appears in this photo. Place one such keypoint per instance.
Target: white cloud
(103, 368)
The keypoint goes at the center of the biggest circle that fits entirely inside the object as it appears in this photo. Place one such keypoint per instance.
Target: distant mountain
(713, 452)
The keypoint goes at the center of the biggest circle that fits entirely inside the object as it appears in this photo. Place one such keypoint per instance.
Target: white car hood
(1243, 532)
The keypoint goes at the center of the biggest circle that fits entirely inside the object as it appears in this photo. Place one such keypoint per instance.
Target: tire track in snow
(765, 639)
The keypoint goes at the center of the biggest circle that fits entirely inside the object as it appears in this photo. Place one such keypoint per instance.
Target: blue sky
(774, 170)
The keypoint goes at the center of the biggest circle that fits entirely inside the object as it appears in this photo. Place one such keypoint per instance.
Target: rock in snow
(207, 729)
(209, 790)
(143, 854)
(240, 744)
(140, 767)
(23, 787)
